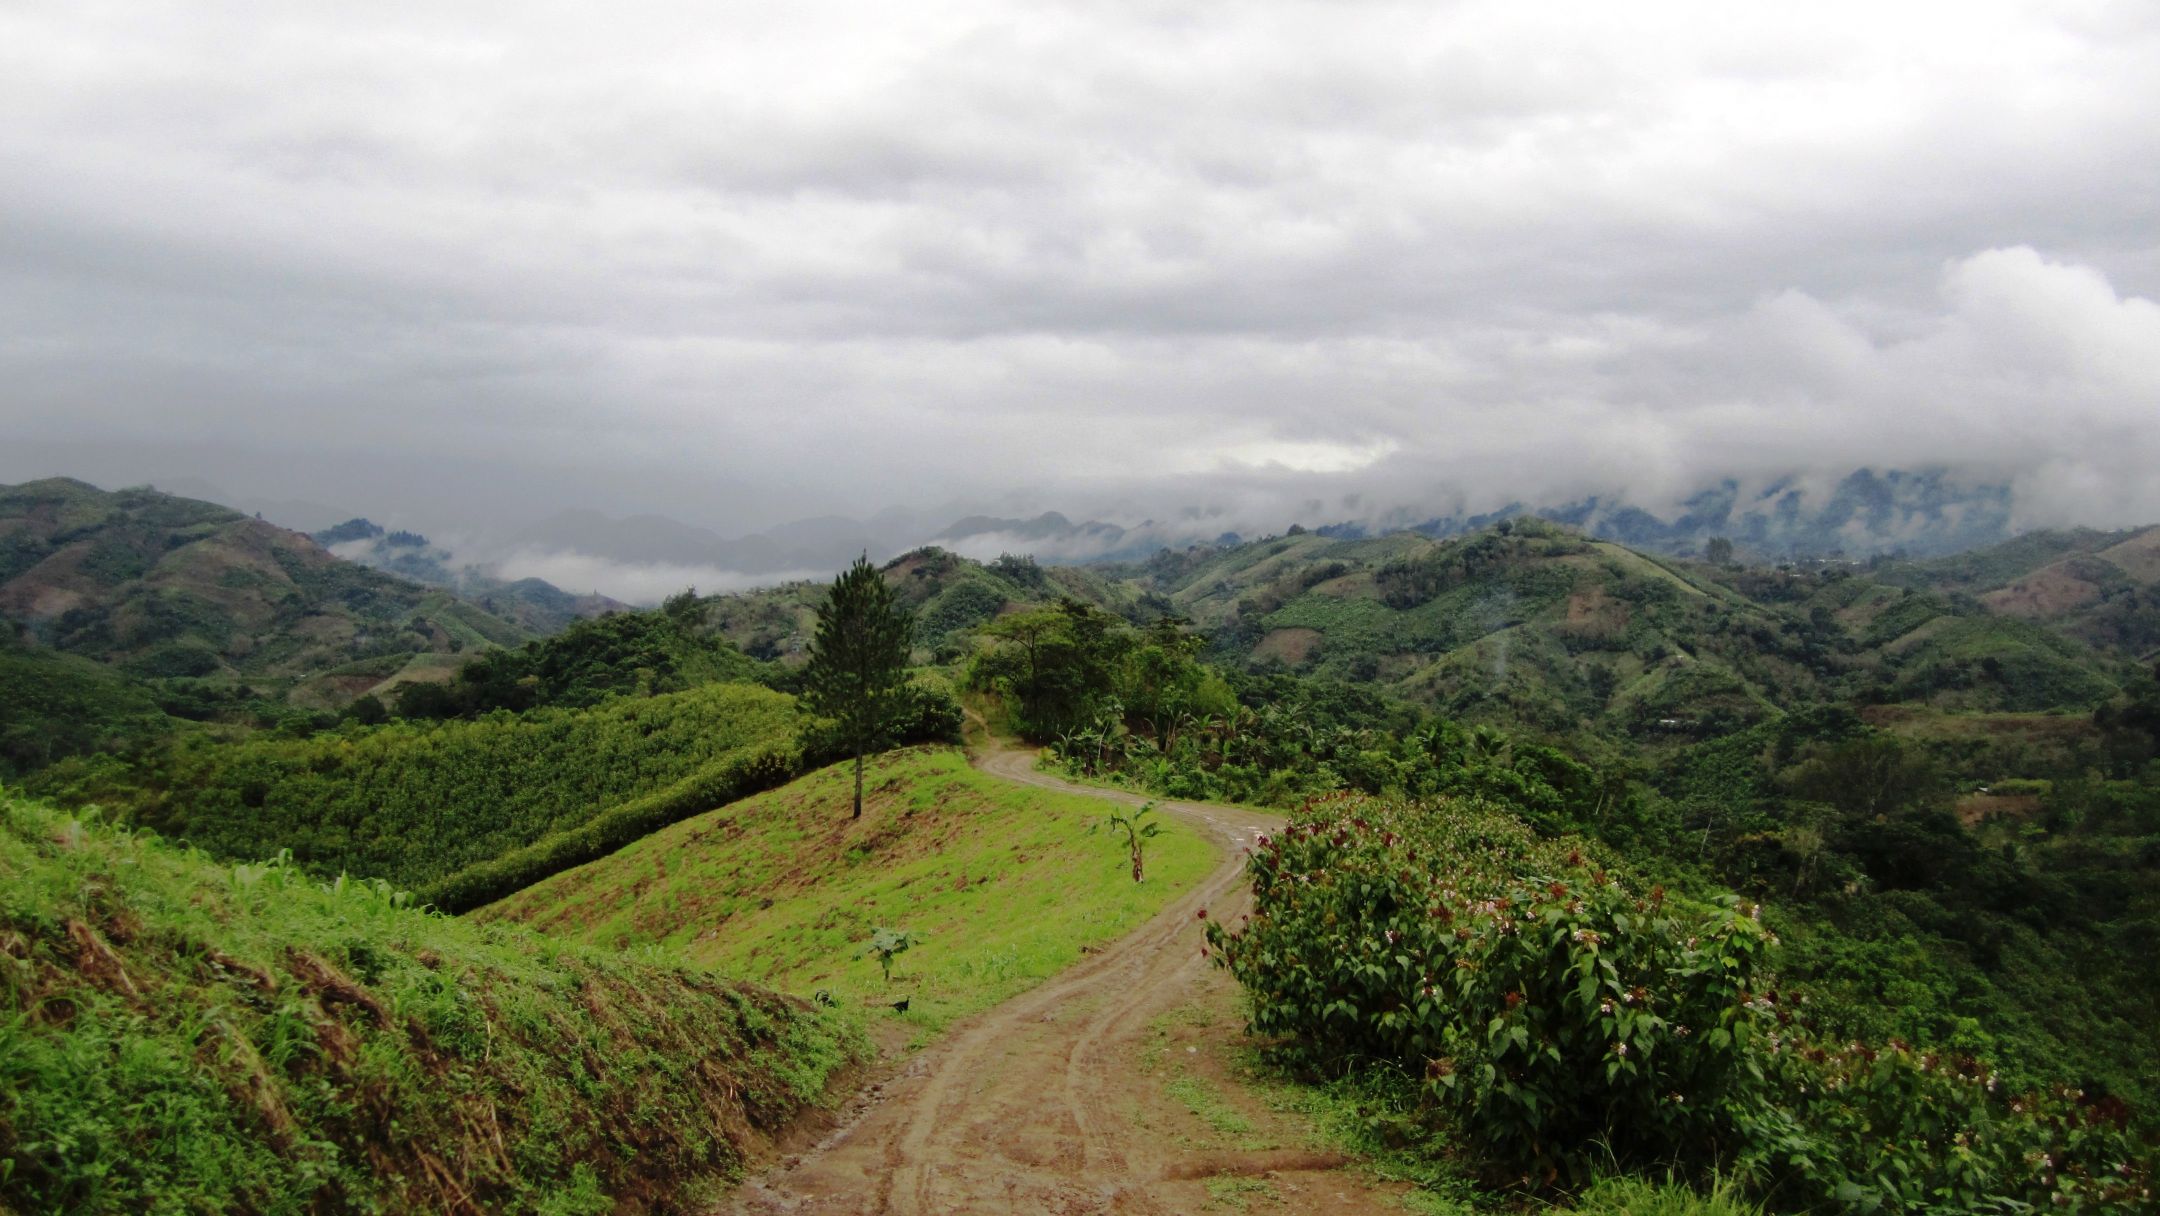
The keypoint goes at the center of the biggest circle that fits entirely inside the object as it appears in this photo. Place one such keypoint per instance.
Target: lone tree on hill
(858, 662)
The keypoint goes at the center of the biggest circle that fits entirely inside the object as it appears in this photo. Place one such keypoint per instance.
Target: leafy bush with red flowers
(1566, 1022)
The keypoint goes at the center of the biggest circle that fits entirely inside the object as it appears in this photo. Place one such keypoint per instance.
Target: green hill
(213, 610)
(668, 649)
(1525, 622)
(2102, 588)
(783, 887)
(948, 594)
(179, 1035)
(414, 802)
(1530, 623)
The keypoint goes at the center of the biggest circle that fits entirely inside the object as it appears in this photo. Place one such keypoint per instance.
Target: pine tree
(858, 662)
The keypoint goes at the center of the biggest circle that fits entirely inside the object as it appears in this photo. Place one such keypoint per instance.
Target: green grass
(1208, 1106)
(1373, 1118)
(181, 1035)
(1237, 1194)
(1627, 1196)
(1005, 882)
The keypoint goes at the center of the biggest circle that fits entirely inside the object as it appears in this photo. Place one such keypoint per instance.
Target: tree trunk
(858, 786)
(1136, 865)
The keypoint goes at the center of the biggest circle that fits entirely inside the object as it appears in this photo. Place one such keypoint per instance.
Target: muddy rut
(1046, 1104)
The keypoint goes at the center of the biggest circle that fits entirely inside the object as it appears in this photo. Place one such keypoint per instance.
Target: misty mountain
(642, 558)
(1923, 513)
(1920, 514)
(537, 604)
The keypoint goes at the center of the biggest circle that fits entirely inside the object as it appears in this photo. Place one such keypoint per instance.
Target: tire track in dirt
(1036, 1106)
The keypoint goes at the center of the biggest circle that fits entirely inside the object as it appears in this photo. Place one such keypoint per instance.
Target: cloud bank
(1231, 268)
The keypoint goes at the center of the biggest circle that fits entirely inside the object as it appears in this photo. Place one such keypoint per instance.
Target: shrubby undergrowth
(1564, 1021)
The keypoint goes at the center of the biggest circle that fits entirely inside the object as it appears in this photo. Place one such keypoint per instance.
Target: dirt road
(1104, 1090)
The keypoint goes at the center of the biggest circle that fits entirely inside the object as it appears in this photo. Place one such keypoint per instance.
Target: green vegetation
(218, 614)
(620, 654)
(1137, 829)
(1565, 1022)
(178, 1034)
(889, 944)
(857, 673)
(56, 705)
(2015, 936)
(416, 802)
(1627, 1196)
(1002, 881)
(1941, 779)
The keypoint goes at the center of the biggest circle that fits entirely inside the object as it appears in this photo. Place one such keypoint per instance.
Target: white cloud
(631, 582)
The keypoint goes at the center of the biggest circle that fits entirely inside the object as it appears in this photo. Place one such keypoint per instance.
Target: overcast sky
(746, 263)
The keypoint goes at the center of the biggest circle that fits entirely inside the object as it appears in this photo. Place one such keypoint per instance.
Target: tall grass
(180, 1035)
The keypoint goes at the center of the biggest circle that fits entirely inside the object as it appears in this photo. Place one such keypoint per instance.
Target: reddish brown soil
(1066, 1099)
(2045, 593)
(1293, 645)
(1975, 809)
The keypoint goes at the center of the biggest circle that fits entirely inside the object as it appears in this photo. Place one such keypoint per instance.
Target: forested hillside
(2100, 587)
(214, 614)
(1531, 623)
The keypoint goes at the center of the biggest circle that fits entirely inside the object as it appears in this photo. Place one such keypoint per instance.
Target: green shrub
(1562, 1019)
(1566, 1023)
(755, 768)
(414, 802)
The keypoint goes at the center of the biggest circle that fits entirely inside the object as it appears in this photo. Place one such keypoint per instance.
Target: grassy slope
(181, 1035)
(783, 888)
(414, 802)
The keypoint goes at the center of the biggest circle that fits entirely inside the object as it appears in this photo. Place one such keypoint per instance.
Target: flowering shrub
(1568, 1022)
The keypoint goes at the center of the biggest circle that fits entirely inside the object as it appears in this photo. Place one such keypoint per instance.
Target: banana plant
(1137, 829)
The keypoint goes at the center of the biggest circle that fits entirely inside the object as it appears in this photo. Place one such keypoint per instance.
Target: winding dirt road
(1088, 1094)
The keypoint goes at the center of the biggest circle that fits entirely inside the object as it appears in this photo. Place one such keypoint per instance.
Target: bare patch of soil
(1293, 646)
(1975, 809)
(2048, 592)
(1594, 613)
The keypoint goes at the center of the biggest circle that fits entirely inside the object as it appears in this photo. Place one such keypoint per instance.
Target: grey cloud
(1117, 260)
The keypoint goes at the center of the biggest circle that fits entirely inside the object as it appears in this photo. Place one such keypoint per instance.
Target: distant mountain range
(1866, 513)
